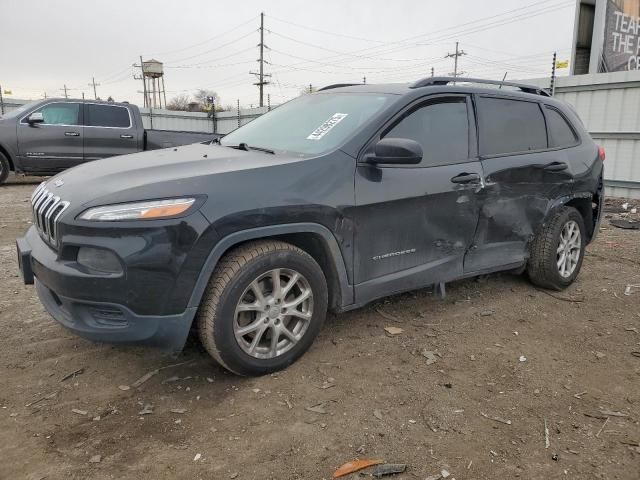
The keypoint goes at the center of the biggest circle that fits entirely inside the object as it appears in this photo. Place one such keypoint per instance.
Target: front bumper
(94, 320)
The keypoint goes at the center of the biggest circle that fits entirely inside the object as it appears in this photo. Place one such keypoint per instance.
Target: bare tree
(180, 102)
(201, 96)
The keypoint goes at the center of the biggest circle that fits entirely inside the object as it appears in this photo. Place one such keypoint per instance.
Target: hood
(164, 173)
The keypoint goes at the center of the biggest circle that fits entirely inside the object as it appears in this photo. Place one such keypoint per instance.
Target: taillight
(601, 153)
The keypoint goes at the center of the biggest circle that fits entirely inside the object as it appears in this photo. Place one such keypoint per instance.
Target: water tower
(153, 76)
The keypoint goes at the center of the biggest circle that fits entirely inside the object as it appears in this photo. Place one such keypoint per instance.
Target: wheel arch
(315, 239)
(589, 206)
(4, 151)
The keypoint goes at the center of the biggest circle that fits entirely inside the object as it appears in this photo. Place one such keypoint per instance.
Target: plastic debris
(197, 457)
(355, 466)
(79, 412)
(95, 459)
(178, 410)
(393, 331)
(124, 388)
(388, 469)
(522, 358)
(430, 356)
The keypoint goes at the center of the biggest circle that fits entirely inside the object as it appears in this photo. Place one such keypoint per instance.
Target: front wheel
(265, 304)
(556, 253)
(4, 168)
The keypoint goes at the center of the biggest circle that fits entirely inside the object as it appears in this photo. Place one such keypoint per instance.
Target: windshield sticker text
(326, 127)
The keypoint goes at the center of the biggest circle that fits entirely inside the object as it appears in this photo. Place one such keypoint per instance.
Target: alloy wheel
(569, 249)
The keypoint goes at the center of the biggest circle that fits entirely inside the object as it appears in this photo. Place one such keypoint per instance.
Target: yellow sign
(562, 64)
(8, 92)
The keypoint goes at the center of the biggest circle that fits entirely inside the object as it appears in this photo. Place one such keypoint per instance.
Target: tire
(5, 167)
(231, 303)
(546, 267)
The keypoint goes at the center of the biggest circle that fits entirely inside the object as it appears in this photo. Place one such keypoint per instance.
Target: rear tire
(265, 304)
(5, 167)
(556, 253)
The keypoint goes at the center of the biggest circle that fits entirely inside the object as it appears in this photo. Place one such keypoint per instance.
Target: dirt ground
(508, 357)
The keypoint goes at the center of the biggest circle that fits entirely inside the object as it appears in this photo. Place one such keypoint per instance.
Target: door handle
(555, 166)
(71, 134)
(466, 178)
(126, 136)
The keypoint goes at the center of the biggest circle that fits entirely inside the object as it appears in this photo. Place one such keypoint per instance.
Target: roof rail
(433, 81)
(338, 85)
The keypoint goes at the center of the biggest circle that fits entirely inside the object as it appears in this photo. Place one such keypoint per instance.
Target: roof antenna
(503, 78)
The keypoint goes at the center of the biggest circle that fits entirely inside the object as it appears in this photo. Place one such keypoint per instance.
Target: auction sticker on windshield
(326, 127)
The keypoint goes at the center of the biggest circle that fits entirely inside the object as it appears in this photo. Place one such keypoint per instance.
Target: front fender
(346, 290)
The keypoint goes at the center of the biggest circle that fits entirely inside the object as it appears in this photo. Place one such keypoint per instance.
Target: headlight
(152, 209)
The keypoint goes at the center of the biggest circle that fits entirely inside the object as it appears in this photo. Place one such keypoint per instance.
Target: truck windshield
(310, 124)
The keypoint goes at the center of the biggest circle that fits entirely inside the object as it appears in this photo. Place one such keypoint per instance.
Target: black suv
(327, 202)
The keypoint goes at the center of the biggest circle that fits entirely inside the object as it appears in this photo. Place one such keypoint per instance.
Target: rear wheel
(557, 251)
(5, 167)
(265, 304)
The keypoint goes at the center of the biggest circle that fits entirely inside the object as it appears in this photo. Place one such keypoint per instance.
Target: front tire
(556, 253)
(265, 304)
(5, 167)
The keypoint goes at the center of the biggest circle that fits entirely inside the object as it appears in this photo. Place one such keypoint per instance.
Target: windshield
(310, 124)
(18, 111)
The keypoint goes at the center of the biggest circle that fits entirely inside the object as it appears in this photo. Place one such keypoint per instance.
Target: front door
(56, 143)
(109, 131)
(414, 223)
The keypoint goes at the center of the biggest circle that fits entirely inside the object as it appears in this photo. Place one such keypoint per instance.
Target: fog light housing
(99, 259)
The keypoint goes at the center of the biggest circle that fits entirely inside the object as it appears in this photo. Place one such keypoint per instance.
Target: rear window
(107, 116)
(560, 132)
(510, 126)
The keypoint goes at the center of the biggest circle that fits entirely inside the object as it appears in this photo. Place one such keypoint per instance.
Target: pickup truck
(48, 136)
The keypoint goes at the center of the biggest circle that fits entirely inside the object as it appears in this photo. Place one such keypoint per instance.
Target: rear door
(523, 176)
(54, 144)
(413, 223)
(109, 131)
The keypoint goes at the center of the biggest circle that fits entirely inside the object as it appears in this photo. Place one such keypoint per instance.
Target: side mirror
(35, 117)
(399, 151)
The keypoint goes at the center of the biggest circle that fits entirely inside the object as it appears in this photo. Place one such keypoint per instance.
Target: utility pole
(261, 75)
(552, 85)
(144, 83)
(310, 88)
(93, 82)
(1, 102)
(364, 80)
(455, 56)
(65, 91)
(432, 71)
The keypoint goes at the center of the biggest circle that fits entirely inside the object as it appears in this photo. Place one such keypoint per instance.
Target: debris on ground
(430, 356)
(546, 434)
(626, 224)
(44, 397)
(522, 358)
(147, 410)
(318, 408)
(197, 457)
(95, 459)
(378, 414)
(79, 412)
(486, 313)
(629, 289)
(611, 413)
(386, 315)
(355, 466)
(178, 410)
(496, 419)
(388, 469)
(393, 331)
(73, 374)
(124, 388)
(144, 378)
(439, 476)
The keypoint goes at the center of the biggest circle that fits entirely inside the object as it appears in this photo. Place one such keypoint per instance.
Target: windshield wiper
(246, 148)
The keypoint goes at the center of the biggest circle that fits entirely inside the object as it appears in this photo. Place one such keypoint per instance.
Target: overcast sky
(213, 44)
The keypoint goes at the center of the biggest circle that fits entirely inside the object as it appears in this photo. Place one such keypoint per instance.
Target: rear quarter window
(561, 133)
(510, 126)
(107, 116)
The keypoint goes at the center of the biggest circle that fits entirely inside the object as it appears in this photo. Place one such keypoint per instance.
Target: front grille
(47, 208)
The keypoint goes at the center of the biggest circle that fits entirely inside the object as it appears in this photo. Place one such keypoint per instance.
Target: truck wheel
(264, 305)
(4, 168)
(557, 251)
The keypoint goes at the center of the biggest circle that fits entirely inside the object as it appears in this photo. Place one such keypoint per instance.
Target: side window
(107, 116)
(442, 129)
(510, 126)
(60, 114)
(560, 132)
